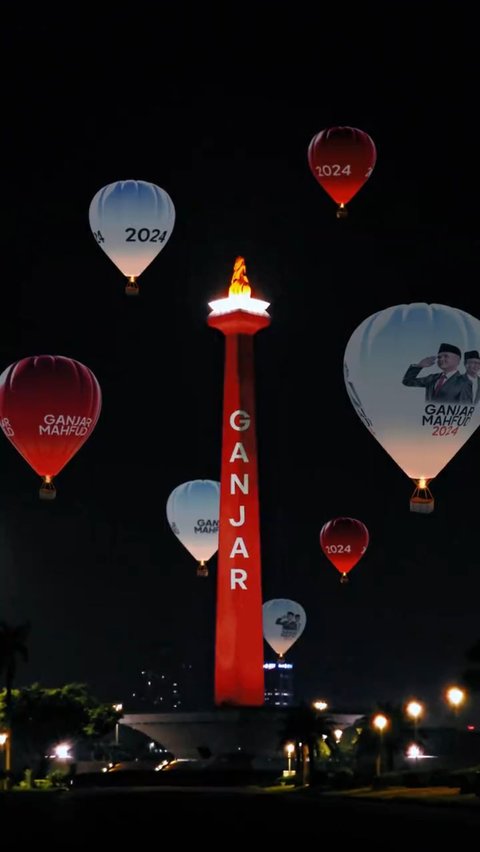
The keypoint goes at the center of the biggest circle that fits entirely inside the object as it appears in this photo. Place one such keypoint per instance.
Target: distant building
(279, 684)
(171, 689)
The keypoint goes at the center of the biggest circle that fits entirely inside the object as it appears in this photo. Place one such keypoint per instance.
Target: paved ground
(449, 796)
(126, 818)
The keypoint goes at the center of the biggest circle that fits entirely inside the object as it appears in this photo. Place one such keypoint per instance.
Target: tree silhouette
(471, 675)
(12, 645)
(305, 728)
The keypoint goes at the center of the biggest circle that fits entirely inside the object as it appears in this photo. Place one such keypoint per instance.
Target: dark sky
(218, 105)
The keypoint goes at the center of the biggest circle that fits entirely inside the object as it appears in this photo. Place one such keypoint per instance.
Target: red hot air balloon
(342, 159)
(344, 541)
(49, 406)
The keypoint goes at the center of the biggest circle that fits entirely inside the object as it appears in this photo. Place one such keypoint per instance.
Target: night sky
(218, 108)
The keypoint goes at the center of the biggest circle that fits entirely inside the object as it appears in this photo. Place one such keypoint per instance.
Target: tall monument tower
(239, 678)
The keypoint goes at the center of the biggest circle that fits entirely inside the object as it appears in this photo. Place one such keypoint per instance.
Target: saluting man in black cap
(447, 386)
(472, 369)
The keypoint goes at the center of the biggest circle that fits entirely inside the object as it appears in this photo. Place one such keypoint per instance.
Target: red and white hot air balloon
(344, 542)
(49, 405)
(342, 159)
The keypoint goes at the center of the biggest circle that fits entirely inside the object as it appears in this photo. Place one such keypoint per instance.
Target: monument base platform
(257, 732)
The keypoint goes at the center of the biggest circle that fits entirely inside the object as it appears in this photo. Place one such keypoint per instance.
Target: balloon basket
(47, 491)
(131, 289)
(344, 578)
(342, 212)
(422, 501)
(202, 571)
(424, 507)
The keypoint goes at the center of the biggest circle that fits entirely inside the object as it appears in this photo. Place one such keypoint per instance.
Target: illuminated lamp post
(3, 741)
(118, 709)
(239, 677)
(415, 710)
(290, 750)
(455, 697)
(380, 722)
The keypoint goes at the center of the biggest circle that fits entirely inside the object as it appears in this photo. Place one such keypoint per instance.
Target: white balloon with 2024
(132, 221)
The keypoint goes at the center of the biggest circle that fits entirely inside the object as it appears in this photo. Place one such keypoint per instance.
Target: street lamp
(289, 749)
(3, 740)
(118, 709)
(455, 697)
(320, 705)
(380, 722)
(415, 710)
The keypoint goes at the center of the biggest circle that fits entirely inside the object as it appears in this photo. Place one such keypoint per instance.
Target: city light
(414, 709)
(290, 750)
(414, 751)
(380, 722)
(62, 751)
(455, 696)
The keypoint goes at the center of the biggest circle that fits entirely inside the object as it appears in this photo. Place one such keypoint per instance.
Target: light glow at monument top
(239, 295)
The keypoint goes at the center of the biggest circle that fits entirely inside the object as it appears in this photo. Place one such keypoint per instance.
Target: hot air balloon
(131, 221)
(193, 510)
(344, 541)
(49, 406)
(283, 622)
(342, 159)
(404, 370)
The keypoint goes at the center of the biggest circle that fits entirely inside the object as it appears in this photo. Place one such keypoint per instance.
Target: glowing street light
(320, 705)
(415, 709)
(289, 749)
(455, 697)
(118, 709)
(3, 741)
(380, 722)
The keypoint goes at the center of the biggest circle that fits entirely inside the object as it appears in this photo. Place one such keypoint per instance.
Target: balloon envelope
(392, 365)
(193, 510)
(49, 405)
(283, 622)
(342, 159)
(344, 541)
(132, 221)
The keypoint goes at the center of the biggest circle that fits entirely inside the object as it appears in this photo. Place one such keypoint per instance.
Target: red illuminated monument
(239, 679)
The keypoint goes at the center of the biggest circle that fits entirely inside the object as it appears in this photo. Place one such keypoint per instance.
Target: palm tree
(12, 645)
(304, 727)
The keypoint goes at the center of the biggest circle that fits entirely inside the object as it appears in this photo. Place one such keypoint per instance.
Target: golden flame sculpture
(239, 285)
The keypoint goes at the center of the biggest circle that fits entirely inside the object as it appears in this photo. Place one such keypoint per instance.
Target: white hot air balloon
(193, 510)
(411, 375)
(283, 622)
(132, 221)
